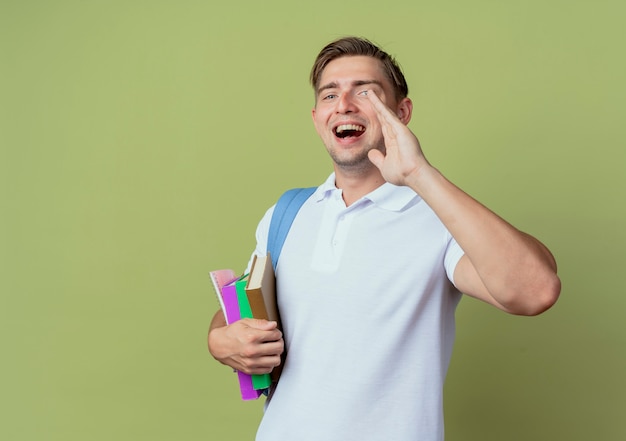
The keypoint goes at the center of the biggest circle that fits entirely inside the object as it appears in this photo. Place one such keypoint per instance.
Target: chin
(354, 162)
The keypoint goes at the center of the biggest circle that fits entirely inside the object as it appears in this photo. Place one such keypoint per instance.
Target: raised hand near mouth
(404, 157)
(501, 266)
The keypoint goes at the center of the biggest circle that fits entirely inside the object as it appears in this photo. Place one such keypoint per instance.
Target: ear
(315, 122)
(404, 110)
(313, 118)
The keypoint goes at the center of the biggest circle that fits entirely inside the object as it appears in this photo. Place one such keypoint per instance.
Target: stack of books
(249, 296)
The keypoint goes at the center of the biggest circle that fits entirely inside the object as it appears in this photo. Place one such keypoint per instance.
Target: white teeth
(352, 127)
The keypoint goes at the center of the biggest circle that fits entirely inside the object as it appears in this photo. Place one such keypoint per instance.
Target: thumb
(263, 325)
(376, 157)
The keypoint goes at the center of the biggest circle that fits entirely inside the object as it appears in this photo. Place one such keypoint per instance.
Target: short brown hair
(354, 46)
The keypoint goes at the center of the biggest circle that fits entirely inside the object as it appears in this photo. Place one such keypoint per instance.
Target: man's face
(344, 117)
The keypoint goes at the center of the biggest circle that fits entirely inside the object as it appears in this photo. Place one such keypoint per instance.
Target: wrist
(423, 178)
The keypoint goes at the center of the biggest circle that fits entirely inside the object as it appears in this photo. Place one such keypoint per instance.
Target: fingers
(248, 345)
(261, 348)
(403, 155)
(391, 125)
(253, 331)
(259, 324)
(385, 115)
(261, 359)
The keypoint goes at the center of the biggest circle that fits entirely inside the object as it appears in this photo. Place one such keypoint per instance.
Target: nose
(346, 104)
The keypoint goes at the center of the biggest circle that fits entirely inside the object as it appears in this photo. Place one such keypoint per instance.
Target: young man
(373, 269)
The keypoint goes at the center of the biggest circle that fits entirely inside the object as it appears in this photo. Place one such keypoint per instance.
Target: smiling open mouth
(349, 130)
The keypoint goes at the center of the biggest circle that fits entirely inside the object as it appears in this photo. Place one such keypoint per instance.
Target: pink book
(224, 284)
(230, 307)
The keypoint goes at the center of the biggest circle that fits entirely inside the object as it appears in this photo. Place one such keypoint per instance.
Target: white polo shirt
(367, 305)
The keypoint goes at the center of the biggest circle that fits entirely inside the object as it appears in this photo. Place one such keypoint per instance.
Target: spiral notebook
(225, 289)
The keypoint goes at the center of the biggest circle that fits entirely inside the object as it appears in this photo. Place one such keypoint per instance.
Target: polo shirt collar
(387, 196)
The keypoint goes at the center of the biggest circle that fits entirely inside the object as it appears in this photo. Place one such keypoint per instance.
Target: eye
(330, 96)
(362, 93)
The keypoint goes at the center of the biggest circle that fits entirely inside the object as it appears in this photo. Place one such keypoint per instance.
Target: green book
(262, 381)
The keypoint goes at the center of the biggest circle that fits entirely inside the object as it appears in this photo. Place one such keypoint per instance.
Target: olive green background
(141, 141)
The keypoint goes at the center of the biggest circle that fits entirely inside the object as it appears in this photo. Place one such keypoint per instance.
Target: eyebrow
(357, 83)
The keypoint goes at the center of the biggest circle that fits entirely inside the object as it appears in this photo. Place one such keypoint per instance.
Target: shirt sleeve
(262, 233)
(454, 252)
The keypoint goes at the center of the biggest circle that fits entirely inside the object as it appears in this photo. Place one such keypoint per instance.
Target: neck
(356, 184)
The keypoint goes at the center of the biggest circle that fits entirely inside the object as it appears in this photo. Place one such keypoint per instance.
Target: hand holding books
(247, 302)
(263, 282)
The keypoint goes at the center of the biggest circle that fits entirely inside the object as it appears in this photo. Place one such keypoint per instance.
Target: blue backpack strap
(285, 212)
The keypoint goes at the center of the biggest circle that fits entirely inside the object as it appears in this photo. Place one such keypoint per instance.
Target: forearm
(517, 271)
(213, 341)
(218, 320)
(502, 265)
